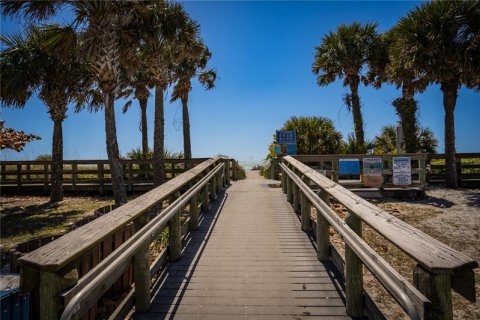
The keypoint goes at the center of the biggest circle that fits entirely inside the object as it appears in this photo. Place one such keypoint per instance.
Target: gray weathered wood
(194, 212)
(175, 235)
(354, 272)
(205, 199)
(305, 210)
(323, 232)
(437, 288)
(142, 271)
(51, 285)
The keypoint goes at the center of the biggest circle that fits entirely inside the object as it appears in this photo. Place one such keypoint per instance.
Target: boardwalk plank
(249, 260)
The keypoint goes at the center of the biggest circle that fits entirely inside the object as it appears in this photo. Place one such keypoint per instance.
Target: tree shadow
(20, 220)
(473, 199)
(436, 202)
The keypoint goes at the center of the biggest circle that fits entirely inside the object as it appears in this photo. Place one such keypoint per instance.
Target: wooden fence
(86, 175)
(468, 168)
(329, 165)
(103, 258)
(439, 268)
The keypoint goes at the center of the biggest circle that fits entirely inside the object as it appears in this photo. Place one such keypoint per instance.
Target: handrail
(374, 262)
(102, 276)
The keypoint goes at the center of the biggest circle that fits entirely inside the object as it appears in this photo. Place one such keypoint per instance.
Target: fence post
(141, 271)
(130, 176)
(19, 177)
(51, 285)
(175, 236)
(422, 171)
(284, 181)
(45, 176)
(305, 208)
(101, 185)
(323, 231)
(194, 212)
(227, 172)
(335, 170)
(438, 289)
(211, 185)
(296, 197)
(289, 189)
(353, 272)
(74, 176)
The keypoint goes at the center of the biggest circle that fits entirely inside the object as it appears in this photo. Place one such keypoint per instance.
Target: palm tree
(439, 42)
(27, 67)
(315, 135)
(194, 65)
(343, 54)
(386, 142)
(107, 31)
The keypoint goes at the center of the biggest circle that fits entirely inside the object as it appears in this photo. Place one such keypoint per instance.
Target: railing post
(28, 172)
(194, 212)
(284, 181)
(289, 189)
(19, 177)
(422, 171)
(296, 196)
(205, 199)
(438, 289)
(335, 170)
(141, 271)
(51, 286)
(323, 231)
(305, 208)
(212, 186)
(101, 185)
(74, 176)
(175, 236)
(130, 176)
(353, 272)
(227, 172)
(218, 180)
(45, 177)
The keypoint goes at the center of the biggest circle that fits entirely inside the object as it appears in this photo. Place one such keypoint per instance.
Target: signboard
(278, 149)
(291, 149)
(286, 137)
(372, 172)
(402, 171)
(349, 167)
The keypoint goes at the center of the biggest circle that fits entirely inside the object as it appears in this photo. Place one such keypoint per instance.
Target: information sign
(372, 172)
(402, 171)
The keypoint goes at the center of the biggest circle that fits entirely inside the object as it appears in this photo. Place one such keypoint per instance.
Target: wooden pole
(323, 231)
(213, 191)
(51, 286)
(335, 170)
(289, 189)
(194, 213)
(353, 272)
(101, 185)
(74, 176)
(438, 289)
(296, 197)
(175, 236)
(305, 209)
(141, 271)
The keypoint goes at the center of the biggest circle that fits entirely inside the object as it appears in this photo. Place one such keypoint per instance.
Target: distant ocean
(249, 164)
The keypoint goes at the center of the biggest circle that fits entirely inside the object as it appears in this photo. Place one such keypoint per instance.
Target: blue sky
(262, 52)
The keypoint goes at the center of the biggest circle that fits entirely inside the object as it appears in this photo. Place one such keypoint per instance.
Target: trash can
(13, 306)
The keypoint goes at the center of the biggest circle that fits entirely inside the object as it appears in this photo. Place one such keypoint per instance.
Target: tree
(386, 142)
(13, 139)
(439, 42)
(343, 54)
(315, 135)
(353, 146)
(193, 65)
(108, 30)
(28, 67)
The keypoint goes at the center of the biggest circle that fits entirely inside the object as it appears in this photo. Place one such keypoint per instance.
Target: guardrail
(468, 168)
(439, 267)
(79, 175)
(73, 272)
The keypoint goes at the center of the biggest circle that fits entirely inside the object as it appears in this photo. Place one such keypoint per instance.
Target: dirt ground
(26, 217)
(451, 216)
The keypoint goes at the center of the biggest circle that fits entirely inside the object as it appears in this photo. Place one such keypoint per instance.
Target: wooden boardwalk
(249, 260)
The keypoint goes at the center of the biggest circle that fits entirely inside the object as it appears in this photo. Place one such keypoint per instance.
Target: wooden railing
(468, 168)
(439, 267)
(89, 175)
(69, 275)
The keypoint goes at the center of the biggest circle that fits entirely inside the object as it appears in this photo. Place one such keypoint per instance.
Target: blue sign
(286, 137)
(278, 149)
(291, 149)
(349, 166)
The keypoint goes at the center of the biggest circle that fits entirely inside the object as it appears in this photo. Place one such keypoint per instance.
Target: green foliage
(137, 154)
(352, 146)
(386, 142)
(44, 157)
(315, 135)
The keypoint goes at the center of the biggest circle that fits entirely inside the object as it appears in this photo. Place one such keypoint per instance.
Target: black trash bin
(13, 306)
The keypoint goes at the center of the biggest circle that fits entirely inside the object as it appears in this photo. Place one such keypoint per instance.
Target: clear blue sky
(263, 53)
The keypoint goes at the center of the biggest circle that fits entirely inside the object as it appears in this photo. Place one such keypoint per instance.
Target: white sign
(402, 171)
(372, 172)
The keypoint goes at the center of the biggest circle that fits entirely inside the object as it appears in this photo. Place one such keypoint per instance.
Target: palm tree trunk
(449, 101)
(158, 139)
(116, 170)
(357, 113)
(143, 108)
(56, 189)
(406, 108)
(187, 146)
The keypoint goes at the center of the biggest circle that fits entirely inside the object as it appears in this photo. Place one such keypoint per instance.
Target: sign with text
(286, 137)
(372, 172)
(349, 166)
(402, 171)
